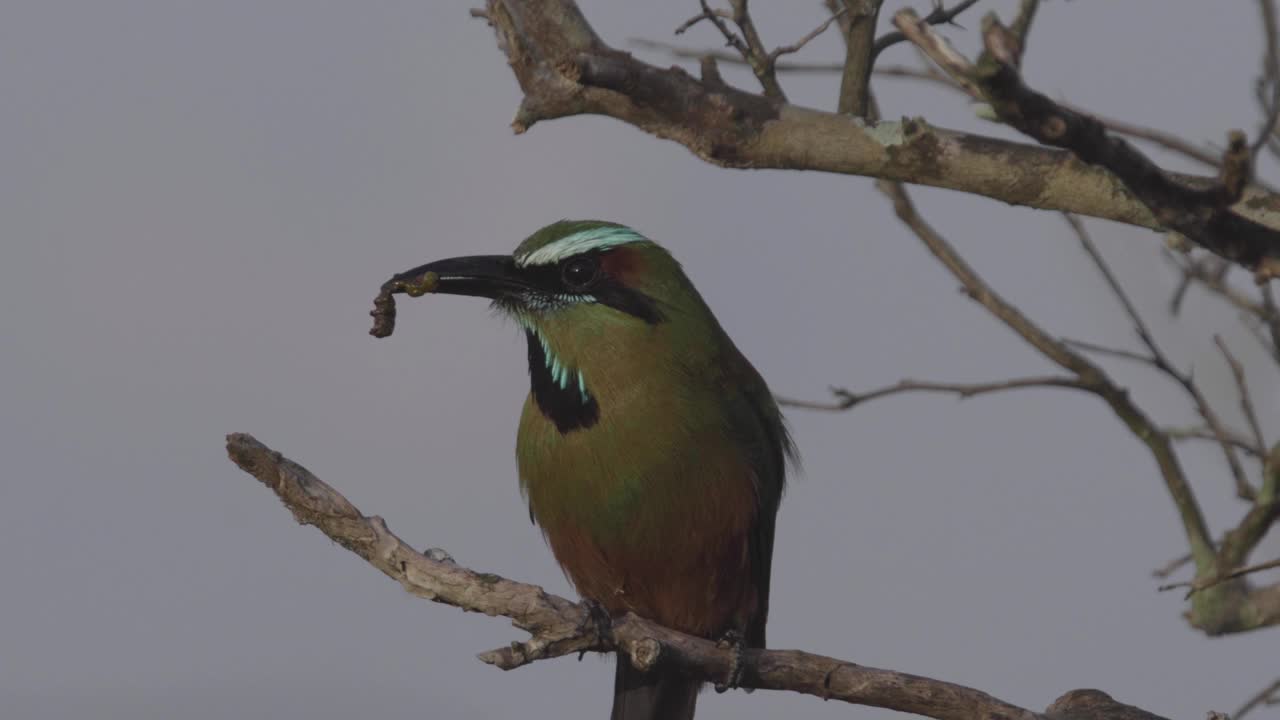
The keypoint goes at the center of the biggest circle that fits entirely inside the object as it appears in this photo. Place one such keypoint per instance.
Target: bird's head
(597, 301)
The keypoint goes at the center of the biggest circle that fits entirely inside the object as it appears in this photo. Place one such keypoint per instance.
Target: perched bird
(651, 453)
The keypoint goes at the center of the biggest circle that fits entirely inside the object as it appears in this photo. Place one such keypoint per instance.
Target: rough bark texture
(565, 69)
(561, 627)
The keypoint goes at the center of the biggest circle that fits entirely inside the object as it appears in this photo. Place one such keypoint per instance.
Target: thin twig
(706, 14)
(1107, 350)
(799, 44)
(761, 62)
(1270, 77)
(1246, 402)
(731, 38)
(847, 399)
(1211, 273)
(1204, 215)
(1243, 489)
(1267, 696)
(1171, 567)
(938, 16)
(1237, 440)
(1020, 28)
(1202, 583)
(1099, 382)
(1271, 317)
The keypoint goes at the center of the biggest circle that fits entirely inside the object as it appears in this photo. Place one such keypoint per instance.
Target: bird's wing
(760, 428)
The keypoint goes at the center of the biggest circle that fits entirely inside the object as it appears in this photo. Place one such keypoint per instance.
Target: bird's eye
(579, 273)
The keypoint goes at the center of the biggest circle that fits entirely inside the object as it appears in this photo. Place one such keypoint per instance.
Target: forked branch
(561, 627)
(1201, 214)
(565, 69)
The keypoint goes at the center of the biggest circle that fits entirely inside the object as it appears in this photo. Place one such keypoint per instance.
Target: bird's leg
(599, 620)
(736, 643)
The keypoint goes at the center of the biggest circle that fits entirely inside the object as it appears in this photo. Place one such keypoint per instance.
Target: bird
(652, 455)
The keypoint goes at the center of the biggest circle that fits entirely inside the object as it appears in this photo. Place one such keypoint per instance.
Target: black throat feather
(567, 405)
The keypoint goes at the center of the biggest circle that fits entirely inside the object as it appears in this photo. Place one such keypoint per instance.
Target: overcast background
(198, 201)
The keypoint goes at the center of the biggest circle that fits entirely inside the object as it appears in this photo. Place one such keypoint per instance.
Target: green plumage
(652, 454)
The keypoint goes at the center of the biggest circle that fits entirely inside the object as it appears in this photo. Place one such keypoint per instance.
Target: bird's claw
(736, 643)
(598, 619)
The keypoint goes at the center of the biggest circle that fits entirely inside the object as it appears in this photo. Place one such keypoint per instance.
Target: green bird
(651, 453)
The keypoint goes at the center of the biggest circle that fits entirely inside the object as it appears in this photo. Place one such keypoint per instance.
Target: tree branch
(1237, 440)
(1163, 139)
(1229, 607)
(1267, 696)
(846, 400)
(564, 69)
(1270, 79)
(1161, 362)
(859, 27)
(561, 627)
(1207, 582)
(1201, 214)
(1246, 400)
(938, 16)
(1089, 374)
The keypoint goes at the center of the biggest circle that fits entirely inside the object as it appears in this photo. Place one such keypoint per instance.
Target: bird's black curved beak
(489, 276)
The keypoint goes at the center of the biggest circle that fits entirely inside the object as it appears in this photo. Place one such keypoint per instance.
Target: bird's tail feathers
(652, 696)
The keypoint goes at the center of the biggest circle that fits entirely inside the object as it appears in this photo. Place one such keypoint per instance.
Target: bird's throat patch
(560, 391)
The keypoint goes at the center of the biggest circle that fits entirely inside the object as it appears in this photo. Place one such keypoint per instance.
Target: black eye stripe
(550, 281)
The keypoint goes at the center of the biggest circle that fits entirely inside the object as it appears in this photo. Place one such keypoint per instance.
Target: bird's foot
(597, 621)
(737, 644)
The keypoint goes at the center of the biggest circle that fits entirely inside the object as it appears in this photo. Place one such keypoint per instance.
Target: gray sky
(199, 200)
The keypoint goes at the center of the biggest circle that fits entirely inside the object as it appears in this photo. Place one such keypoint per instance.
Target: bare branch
(760, 60)
(1270, 79)
(706, 14)
(1237, 440)
(1226, 608)
(846, 400)
(1246, 402)
(858, 27)
(799, 44)
(565, 70)
(1267, 696)
(1160, 138)
(937, 49)
(1202, 583)
(1271, 316)
(1211, 273)
(1020, 28)
(717, 18)
(1201, 214)
(561, 627)
(1171, 567)
(938, 16)
(1088, 373)
(1261, 317)
(1113, 352)
(749, 45)
(1162, 363)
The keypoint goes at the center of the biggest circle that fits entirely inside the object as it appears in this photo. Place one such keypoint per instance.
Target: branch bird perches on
(561, 627)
